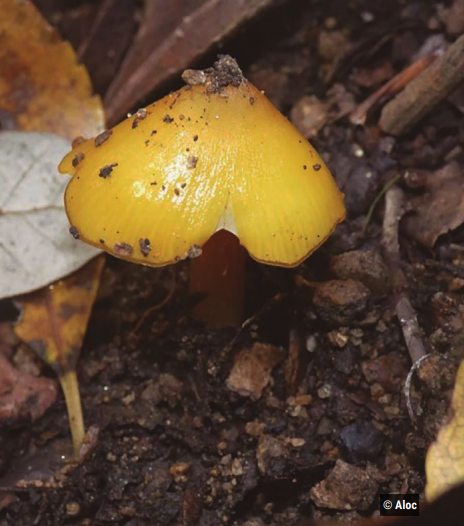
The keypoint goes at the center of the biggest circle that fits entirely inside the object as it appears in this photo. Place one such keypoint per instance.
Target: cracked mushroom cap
(214, 155)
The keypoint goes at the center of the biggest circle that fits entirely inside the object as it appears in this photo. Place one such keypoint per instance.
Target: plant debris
(314, 407)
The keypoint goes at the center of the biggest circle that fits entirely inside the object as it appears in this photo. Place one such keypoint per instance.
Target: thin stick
(280, 296)
(158, 306)
(391, 88)
(394, 210)
(419, 97)
(70, 388)
(293, 362)
(407, 386)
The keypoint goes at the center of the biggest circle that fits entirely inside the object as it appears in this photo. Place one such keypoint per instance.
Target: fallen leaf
(36, 247)
(54, 326)
(42, 86)
(54, 323)
(252, 369)
(107, 40)
(444, 464)
(171, 37)
(23, 395)
(440, 209)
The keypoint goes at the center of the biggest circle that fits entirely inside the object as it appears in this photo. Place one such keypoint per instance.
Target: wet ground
(185, 430)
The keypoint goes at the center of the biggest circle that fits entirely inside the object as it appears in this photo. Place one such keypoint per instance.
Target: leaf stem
(70, 388)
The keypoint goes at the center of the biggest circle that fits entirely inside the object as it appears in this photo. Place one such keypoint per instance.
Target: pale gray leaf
(35, 245)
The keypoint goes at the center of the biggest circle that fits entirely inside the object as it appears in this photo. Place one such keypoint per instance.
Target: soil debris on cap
(192, 162)
(123, 249)
(194, 251)
(139, 116)
(145, 246)
(77, 141)
(105, 172)
(194, 77)
(100, 139)
(225, 72)
(78, 158)
(74, 232)
(168, 119)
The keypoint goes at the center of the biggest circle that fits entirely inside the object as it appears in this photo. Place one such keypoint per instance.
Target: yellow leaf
(54, 322)
(445, 458)
(55, 318)
(42, 86)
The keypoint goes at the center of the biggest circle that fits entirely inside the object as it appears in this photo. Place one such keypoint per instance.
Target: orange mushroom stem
(214, 156)
(218, 276)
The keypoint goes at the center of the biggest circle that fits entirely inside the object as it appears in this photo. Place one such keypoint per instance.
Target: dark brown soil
(176, 444)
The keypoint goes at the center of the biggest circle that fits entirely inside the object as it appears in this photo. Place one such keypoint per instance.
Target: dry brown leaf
(42, 87)
(54, 323)
(23, 395)
(445, 458)
(172, 36)
(440, 209)
(107, 39)
(158, 22)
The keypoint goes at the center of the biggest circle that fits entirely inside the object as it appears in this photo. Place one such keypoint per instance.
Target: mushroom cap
(211, 156)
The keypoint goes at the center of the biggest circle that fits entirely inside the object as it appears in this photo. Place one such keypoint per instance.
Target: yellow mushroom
(215, 155)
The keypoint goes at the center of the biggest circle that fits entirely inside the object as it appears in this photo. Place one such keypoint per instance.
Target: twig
(407, 385)
(438, 81)
(97, 21)
(293, 362)
(455, 270)
(394, 210)
(392, 87)
(158, 306)
(280, 296)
